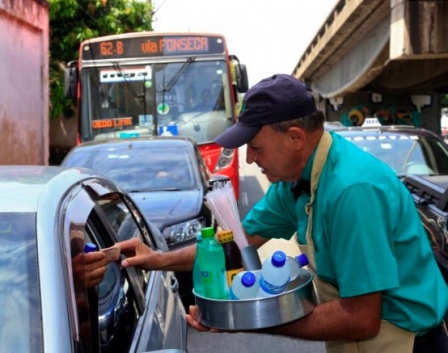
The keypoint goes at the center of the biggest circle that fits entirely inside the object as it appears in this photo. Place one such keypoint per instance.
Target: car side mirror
(217, 178)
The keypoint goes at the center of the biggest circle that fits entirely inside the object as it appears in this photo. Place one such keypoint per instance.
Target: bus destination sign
(152, 46)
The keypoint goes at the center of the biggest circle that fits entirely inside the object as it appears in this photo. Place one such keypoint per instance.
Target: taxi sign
(372, 122)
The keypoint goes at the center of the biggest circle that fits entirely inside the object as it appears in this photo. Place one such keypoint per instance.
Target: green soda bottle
(197, 277)
(212, 265)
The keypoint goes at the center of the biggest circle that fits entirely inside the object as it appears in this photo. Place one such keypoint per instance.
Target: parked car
(406, 149)
(47, 215)
(430, 194)
(166, 177)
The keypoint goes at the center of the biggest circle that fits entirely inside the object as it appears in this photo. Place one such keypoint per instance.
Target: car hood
(165, 208)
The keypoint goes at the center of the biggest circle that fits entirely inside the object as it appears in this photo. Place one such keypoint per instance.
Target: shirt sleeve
(361, 244)
(274, 215)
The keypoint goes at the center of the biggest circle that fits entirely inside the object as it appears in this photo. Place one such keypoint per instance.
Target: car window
(124, 227)
(21, 329)
(112, 302)
(104, 317)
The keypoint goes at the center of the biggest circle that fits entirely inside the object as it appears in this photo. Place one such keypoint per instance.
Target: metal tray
(297, 301)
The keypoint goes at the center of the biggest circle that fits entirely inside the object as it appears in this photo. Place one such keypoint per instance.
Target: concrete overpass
(388, 47)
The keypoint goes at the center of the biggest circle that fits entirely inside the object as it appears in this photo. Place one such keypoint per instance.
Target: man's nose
(250, 156)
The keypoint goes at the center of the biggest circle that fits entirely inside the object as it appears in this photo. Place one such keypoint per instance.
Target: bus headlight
(225, 158)
(183, 232)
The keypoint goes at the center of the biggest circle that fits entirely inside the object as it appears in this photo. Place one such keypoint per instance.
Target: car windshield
(141, 169)
(21, 329)
(404, 153)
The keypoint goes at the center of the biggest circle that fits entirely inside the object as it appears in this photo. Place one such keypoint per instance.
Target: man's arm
(342, 319)
(255, 240)
(138, 254)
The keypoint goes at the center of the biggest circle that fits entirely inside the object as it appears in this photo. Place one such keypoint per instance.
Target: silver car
(47, 215)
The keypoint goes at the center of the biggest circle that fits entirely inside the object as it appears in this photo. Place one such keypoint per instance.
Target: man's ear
(297, 137)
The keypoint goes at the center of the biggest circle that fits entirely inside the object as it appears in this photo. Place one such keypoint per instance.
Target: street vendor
(377, 281)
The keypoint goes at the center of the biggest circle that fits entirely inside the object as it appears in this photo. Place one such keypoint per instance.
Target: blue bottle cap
(302, 260)
(278, 258)
(90, 247)
(248, 279)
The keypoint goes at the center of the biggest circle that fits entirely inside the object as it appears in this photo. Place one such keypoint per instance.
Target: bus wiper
(134, 89)
(178, 74)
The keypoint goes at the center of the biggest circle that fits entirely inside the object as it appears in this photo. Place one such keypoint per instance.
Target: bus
(148, 83)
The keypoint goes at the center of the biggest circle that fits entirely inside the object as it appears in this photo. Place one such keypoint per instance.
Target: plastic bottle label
(212, 289)
(271, 289)
(230, 274)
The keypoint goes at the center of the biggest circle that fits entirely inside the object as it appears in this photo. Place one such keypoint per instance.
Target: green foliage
(445, 101)
(72, 21)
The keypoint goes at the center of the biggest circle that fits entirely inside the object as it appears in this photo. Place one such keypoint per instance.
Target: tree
(72, 21)
(445, 100)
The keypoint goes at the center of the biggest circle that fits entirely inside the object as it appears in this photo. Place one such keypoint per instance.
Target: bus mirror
(242, 80)
(70, 80)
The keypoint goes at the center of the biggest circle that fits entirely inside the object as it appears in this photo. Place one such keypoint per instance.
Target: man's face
(275, 153)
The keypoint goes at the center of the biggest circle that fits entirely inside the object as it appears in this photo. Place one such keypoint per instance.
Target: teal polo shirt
(367, 235)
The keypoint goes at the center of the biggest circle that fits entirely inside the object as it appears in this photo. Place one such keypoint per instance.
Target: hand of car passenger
(89, 268)
(95, 267)
(137, 253)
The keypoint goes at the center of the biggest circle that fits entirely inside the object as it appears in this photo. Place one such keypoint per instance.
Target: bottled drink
(197, 279)
(212, 266)
(232, 254)
(245, 285)
(295, 263)
(275, 273)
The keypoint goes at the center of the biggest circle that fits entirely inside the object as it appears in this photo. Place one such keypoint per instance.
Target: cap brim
(237, 135)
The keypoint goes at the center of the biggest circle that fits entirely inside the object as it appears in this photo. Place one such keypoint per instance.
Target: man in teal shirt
(379, 286)
(367, 235)
(376, 276)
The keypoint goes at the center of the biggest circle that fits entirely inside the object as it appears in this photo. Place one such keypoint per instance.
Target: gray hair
(311, 122)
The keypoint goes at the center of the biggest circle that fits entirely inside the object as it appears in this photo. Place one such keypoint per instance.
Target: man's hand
(137, 253)
(193, 321)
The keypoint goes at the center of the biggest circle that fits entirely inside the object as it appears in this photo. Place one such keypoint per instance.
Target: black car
(430, 195)
(165, 176)
(406, 149)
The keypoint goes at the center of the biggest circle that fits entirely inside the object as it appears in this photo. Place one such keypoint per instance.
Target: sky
(269, 37)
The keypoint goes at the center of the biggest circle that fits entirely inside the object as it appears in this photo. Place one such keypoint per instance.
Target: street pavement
(206, 342)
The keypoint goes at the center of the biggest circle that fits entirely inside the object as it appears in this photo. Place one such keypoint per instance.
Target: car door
(131, 309)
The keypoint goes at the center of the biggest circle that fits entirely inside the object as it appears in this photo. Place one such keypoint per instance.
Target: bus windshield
(189, 97)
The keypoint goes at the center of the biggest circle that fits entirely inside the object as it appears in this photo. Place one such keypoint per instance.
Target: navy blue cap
(278, 98)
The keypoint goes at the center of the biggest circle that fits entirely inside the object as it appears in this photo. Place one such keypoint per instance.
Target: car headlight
(182, 232)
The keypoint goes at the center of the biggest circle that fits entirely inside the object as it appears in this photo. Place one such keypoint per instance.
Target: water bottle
(275, 273)
(245, 285)
(90, 247)
(295, 264)
(212, 266)
(197, 279)
(232, 254)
